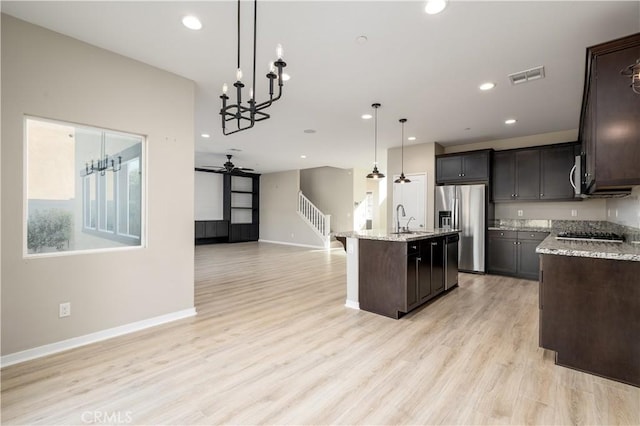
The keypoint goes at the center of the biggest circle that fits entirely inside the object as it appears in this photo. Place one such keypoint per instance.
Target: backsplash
(630, 233)
(625, 211)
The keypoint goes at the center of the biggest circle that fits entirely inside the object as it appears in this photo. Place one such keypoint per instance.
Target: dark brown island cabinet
(534, 174)
(513, 253)
(610, 118)
(397, 277)
(590, 315)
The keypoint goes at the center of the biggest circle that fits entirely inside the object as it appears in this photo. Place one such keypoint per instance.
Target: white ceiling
(421, 67)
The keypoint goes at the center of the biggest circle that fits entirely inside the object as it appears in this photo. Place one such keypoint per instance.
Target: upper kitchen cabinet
(516, 175)
(464, 167)
(556, 163)
(610, 117)
(534, 174)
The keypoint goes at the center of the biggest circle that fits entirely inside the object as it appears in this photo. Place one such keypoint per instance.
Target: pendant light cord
(402, 141)
(375, 139)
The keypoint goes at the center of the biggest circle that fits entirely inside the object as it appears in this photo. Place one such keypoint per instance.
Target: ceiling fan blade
(244, 169)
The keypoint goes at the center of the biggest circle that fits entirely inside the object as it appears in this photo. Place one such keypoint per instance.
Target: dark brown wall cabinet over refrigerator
(610, 119)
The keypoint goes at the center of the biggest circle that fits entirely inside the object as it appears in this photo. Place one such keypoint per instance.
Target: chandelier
(375, 174)
(104, 163)
(633, 72)
(245, 115)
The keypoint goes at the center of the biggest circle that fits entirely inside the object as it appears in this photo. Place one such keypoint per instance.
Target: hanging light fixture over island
(375, 174)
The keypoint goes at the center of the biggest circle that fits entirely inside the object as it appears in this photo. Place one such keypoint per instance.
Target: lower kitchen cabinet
(590, 315)
(397, 277)
(514, 253)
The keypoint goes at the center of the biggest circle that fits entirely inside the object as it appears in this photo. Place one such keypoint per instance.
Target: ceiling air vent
(536, 73)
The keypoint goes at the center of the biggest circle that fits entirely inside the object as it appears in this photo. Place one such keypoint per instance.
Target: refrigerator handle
(455, 214)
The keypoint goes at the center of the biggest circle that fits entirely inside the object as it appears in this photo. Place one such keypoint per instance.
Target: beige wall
(49, 75)
(520, 142)
(279, 219)
(331, 190)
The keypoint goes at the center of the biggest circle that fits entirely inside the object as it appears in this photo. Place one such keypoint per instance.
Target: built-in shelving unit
(241, 206)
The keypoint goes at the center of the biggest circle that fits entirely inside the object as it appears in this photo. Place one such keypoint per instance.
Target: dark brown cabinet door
(437, 266)
(555, 167)
(412, 281)
(618, 121)
(475, 166)
(463, 168)
(504, 176)
(528, 259)
(424, 271)
(503, 252)
(449, 169)
(527, 175)
(610, 117)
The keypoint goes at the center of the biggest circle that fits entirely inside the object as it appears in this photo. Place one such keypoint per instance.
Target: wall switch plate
(520, 212)
(65, 310)
(574, 212)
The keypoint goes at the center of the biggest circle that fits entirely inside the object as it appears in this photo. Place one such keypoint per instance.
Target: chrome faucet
(398, 207)
(408, 222)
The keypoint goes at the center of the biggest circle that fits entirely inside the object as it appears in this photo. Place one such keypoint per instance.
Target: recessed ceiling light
(303, 156)
(510, 121)
(487, 86)
(205, 135)
(309, 131)
(285, 76)
(367, 116)
(191, 22)
(361, 39)
(411, 138)
(435, 6)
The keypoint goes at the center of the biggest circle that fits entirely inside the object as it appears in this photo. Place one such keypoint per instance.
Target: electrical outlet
(65, 310)
(574, 212)
(520, 212)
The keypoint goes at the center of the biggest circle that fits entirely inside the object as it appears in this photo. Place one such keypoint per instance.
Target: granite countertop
(614, 251)
(384, 235)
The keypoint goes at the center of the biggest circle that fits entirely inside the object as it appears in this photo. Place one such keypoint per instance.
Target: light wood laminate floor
(273, 344)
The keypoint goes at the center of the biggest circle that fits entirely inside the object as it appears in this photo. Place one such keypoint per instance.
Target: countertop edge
(385, 236)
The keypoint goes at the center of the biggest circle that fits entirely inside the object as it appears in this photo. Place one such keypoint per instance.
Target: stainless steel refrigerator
(465, 206)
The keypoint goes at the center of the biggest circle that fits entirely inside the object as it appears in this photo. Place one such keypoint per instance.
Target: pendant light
(402, 178)
(375, 174)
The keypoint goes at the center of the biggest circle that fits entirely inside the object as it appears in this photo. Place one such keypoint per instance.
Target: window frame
(142, 156)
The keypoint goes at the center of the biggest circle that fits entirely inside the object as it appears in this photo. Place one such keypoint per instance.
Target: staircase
(319, 222)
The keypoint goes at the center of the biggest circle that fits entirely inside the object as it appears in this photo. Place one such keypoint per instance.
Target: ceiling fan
(228, 167)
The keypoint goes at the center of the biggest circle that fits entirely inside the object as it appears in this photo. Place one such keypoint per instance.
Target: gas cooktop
(607, 237)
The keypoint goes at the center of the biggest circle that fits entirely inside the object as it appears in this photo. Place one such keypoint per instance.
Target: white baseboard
(292, 244)
(98, 336)
(351, 304)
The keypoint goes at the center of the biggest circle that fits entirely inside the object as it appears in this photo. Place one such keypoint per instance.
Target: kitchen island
(590, 306)
(393, 273)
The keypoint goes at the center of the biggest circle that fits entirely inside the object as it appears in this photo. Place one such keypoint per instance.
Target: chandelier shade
(245, 115)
